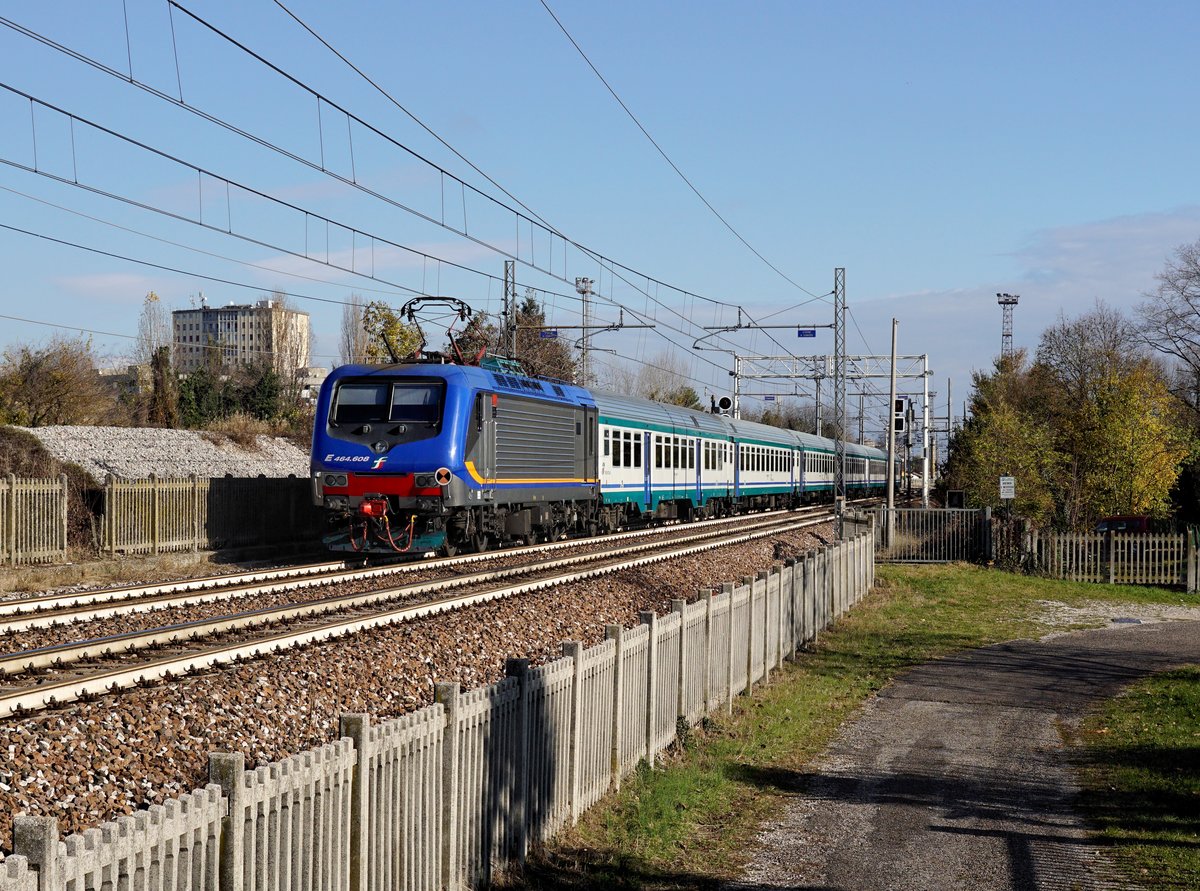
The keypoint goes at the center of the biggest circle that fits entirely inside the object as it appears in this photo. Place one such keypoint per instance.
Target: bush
(21, 454)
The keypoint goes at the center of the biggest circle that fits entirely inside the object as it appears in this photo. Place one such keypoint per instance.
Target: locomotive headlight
(425, 481)
(335, 480)
(379, 447)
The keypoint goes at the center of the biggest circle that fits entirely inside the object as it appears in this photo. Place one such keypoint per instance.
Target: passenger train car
(419, 457)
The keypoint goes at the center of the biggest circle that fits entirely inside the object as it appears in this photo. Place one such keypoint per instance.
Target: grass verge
(1142, 777)
(689, 825)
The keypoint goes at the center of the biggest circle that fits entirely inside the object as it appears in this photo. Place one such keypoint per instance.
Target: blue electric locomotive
(418, 457)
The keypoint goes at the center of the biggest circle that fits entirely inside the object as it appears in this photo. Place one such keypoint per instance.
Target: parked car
(1131, 523)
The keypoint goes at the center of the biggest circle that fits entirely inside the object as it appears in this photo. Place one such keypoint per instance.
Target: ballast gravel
(136, 452)
(90, 762)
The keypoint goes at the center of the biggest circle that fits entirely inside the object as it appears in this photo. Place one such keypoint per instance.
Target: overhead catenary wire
(252, 191)
(614, 266)
(665, 156)
(322, 98)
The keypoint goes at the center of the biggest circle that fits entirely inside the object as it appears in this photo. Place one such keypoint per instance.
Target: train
(432, 456)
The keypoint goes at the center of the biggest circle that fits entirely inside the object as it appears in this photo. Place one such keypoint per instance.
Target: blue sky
(940, 152)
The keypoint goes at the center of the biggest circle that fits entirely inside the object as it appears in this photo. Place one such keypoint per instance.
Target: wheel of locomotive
(456, 536)
(480, 542)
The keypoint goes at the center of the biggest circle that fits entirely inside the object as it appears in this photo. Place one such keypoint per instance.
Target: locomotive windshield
(397, 402)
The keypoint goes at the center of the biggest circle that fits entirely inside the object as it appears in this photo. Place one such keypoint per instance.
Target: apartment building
(240, 334)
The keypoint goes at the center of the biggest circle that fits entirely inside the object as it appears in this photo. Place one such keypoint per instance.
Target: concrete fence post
(727, 588)
(678, 605)
(63, 516)
(650, 618)
(795, 634)
(195, 511)
(776, 573)
(616, 634)
(226, 770)
(155, 511)
(357, 727)
(748, 581)
(1191, 560)
(36, 839)
(10, 532)
(110, 509)
(519, 669)
(706, 595)
(448, 695)
(573, 650)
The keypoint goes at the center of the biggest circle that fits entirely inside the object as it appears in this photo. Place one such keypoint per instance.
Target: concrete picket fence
(443, 797)
(33, 520)
(160, 514)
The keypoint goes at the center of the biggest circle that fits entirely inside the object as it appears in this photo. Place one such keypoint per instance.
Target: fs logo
(378, 463)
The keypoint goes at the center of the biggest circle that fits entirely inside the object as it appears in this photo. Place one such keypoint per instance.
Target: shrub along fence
(440, 798)
(33, 520)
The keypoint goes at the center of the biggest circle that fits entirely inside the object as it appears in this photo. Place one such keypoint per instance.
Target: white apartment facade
(241, 334)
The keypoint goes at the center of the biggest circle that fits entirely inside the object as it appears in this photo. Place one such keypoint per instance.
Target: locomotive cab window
(400, 402)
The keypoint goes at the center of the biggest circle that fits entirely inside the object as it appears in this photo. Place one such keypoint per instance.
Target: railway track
(48, 676)
(82, 606)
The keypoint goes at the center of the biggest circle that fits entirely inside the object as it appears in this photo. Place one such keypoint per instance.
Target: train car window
(691, 453)
(628, 449)
(637, 450)
(616, 453)
(361, 403)
(658, 451)
(606, 434)
(415, 402)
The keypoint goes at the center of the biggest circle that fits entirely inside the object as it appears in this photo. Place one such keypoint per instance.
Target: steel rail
(52, 609)
(57, 655)
(48, 692)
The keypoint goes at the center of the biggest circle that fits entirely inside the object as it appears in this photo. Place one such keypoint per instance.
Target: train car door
(698, 457)
(487, 409)
(647, 463)
(737, 470)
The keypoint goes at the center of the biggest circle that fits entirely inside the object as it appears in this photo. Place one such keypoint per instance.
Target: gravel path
(956, 776)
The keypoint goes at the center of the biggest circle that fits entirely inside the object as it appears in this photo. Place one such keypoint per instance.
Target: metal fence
(439, 799)
(155, 515)
(33, 520)
(935, 535)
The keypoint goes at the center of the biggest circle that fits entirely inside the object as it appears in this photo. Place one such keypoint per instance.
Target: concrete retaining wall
(441, 798)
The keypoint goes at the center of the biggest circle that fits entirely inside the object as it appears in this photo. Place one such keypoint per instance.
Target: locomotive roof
(501, 381)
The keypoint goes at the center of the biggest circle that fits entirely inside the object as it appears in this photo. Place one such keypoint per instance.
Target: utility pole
(510, 307)
(839, 393)
(584, 287)
(891, 444)
(926, 438)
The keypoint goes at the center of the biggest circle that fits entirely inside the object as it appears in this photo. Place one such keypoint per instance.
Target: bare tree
(290, 346)
(1171, 317)
(354, 346)
(154, 329)
(54, 384)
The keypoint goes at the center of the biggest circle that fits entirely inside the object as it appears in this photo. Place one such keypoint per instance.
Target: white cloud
(116, 287)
